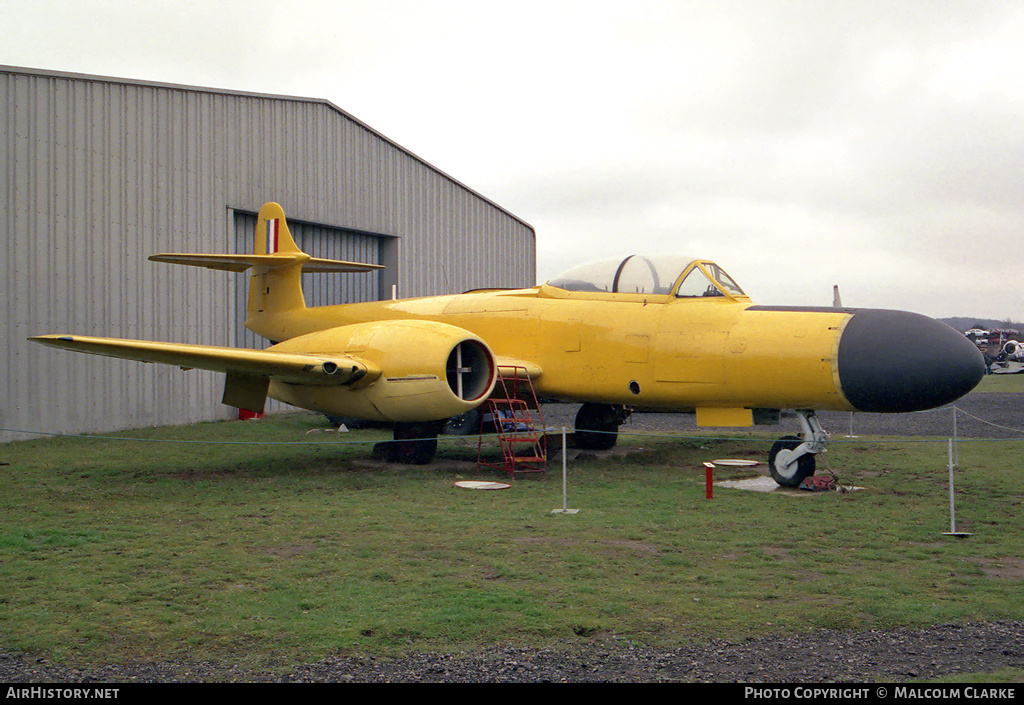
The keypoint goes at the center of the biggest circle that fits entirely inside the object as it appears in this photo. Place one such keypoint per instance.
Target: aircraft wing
(296, 368)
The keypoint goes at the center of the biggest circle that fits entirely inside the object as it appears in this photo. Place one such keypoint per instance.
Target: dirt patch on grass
(1001, 568)
(632, 545)
(289, 551)
(783, 554)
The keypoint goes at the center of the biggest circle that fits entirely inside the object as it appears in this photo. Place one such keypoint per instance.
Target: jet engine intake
(416, 371)
(470, 371)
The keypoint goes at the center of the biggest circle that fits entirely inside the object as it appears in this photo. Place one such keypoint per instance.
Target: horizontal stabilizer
(240, 263)
(294, 368)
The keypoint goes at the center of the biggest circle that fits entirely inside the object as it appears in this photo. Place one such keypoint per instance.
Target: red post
(709, 479)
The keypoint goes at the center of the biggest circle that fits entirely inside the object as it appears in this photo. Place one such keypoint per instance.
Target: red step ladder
(520, 432)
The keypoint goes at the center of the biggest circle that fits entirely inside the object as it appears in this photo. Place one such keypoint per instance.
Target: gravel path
(819, 657)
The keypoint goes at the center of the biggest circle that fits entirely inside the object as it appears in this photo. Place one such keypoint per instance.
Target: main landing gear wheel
(597, 425)
(415, 443)
(786, 469)
(465, 424)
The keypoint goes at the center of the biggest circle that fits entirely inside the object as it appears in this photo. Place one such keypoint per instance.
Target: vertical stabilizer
(277, 265)
(276, 287)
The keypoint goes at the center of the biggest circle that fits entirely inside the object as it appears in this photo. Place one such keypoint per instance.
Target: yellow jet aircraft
(669, 334)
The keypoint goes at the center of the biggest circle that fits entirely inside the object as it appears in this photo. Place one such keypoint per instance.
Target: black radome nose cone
(894, 361)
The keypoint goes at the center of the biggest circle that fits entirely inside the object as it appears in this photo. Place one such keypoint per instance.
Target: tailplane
(277, 265)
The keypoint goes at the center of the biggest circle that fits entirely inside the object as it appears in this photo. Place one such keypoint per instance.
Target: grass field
(1005, 384)
(262, 543)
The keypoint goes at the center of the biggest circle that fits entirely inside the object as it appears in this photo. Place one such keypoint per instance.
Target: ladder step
(515, 425)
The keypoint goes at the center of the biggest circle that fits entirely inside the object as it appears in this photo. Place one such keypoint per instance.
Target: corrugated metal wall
(98, 174)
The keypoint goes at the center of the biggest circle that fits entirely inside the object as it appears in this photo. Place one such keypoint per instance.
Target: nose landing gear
(597, 425)
(792, 458)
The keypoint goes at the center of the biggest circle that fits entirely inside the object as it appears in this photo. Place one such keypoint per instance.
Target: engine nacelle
(1013, 350)
(416, 371)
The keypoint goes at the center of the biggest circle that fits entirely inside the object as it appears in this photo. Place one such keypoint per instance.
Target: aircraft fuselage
(719, 356)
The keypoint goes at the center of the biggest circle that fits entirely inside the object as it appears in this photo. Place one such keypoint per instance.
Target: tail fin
(277, 264)
(272, 233)
(276, 283)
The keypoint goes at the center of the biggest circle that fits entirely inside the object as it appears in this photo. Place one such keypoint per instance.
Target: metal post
(956, 444)
(952, 502)
(565, 472)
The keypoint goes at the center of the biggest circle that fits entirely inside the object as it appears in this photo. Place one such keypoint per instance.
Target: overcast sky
(874, 145)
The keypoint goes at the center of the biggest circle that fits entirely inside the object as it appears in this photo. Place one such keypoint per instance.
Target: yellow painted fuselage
(719, 356)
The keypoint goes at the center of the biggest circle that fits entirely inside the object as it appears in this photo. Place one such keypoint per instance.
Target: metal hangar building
(99, 173)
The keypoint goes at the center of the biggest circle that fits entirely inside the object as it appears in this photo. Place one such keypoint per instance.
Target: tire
(466, 424)
(415, 443)
(597, 426)
(804, 465)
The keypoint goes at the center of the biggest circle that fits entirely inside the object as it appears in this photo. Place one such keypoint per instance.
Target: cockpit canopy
(637, 274)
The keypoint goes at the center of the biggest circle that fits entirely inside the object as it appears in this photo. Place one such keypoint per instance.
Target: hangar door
(319, 289)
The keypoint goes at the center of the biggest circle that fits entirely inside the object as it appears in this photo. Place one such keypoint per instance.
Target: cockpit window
(724, 280)
(697, 283)
(593, 276)
(635, 274)
(638, 275)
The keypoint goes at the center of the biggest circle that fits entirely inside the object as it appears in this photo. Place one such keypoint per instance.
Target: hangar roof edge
(271, 96)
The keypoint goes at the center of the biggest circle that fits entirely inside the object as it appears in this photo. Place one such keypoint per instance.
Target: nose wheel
(597, 425)
(792, 458)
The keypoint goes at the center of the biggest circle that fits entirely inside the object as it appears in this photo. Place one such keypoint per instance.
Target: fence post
(952, 502)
